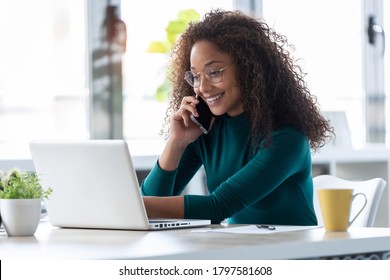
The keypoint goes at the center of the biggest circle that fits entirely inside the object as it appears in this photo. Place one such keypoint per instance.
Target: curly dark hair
(274, 93)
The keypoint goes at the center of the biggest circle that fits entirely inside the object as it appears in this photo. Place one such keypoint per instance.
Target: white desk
(186, 244)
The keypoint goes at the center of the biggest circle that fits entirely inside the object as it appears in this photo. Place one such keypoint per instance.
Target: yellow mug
(335, 207)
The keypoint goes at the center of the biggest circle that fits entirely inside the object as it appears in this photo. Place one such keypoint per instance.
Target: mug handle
(365, 203)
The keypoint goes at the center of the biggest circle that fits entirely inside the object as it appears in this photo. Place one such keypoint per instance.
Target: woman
(257, 155)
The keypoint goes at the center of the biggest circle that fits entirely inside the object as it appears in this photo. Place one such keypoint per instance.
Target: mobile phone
(205, 116)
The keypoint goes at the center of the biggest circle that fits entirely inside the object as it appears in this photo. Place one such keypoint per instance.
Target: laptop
(95, 186)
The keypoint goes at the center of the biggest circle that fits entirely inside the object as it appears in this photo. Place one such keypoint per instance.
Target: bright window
(44, 64)
(43, 90)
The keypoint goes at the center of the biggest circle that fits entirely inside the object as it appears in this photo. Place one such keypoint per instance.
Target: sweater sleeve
(288, 154)
(167, 183)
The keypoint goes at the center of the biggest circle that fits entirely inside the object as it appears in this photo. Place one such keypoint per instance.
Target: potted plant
(20, 201)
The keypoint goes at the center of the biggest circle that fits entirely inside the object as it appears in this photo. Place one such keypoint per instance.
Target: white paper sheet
(253, 229)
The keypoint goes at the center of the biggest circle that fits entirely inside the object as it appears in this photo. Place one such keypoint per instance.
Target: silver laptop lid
(94, 184)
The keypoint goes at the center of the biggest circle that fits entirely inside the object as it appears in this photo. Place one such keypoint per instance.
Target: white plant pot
(20, 216)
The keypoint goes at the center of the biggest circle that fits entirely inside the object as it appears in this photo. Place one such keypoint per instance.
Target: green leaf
(176, 27)
(21, 185)
(158, 47)
(188, 15)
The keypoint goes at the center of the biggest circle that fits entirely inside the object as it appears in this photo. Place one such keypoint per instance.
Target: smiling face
(224, 96)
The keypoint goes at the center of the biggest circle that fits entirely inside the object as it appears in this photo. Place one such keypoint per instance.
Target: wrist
(178, 145)
(170, 157)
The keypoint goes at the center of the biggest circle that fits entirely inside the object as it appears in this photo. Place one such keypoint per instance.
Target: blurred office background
(80, 69)
(59, 80)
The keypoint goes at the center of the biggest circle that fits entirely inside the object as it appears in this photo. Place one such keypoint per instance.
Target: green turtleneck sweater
(272, 186)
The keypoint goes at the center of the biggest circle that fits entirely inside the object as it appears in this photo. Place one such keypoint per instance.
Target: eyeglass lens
(212, 75)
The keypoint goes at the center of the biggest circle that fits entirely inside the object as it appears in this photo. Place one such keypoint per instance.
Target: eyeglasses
(213, 75)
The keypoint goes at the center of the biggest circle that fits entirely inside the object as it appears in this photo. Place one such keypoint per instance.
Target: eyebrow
(210, 63)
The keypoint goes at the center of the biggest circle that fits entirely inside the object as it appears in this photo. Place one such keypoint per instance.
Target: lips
(214, 98)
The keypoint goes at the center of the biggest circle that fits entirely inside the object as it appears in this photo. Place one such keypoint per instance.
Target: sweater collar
(241, 120)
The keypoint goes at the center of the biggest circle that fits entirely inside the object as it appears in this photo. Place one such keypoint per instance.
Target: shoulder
(289, 132)
(287, 140)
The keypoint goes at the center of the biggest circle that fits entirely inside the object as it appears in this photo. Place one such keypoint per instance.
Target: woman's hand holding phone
(183, 127)
(182, 132)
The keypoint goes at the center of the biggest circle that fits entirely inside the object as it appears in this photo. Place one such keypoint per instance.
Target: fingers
(186, 109)
(189, 101)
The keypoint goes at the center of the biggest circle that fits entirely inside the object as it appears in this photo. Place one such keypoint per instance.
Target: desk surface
(59, 243)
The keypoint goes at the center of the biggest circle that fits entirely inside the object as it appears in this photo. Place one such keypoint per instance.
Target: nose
(204, 85)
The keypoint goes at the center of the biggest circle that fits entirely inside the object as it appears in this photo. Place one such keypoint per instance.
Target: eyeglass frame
(220, 71)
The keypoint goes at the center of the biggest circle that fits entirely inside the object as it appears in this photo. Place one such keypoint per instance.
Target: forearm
(164, 207)
(170, 157)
